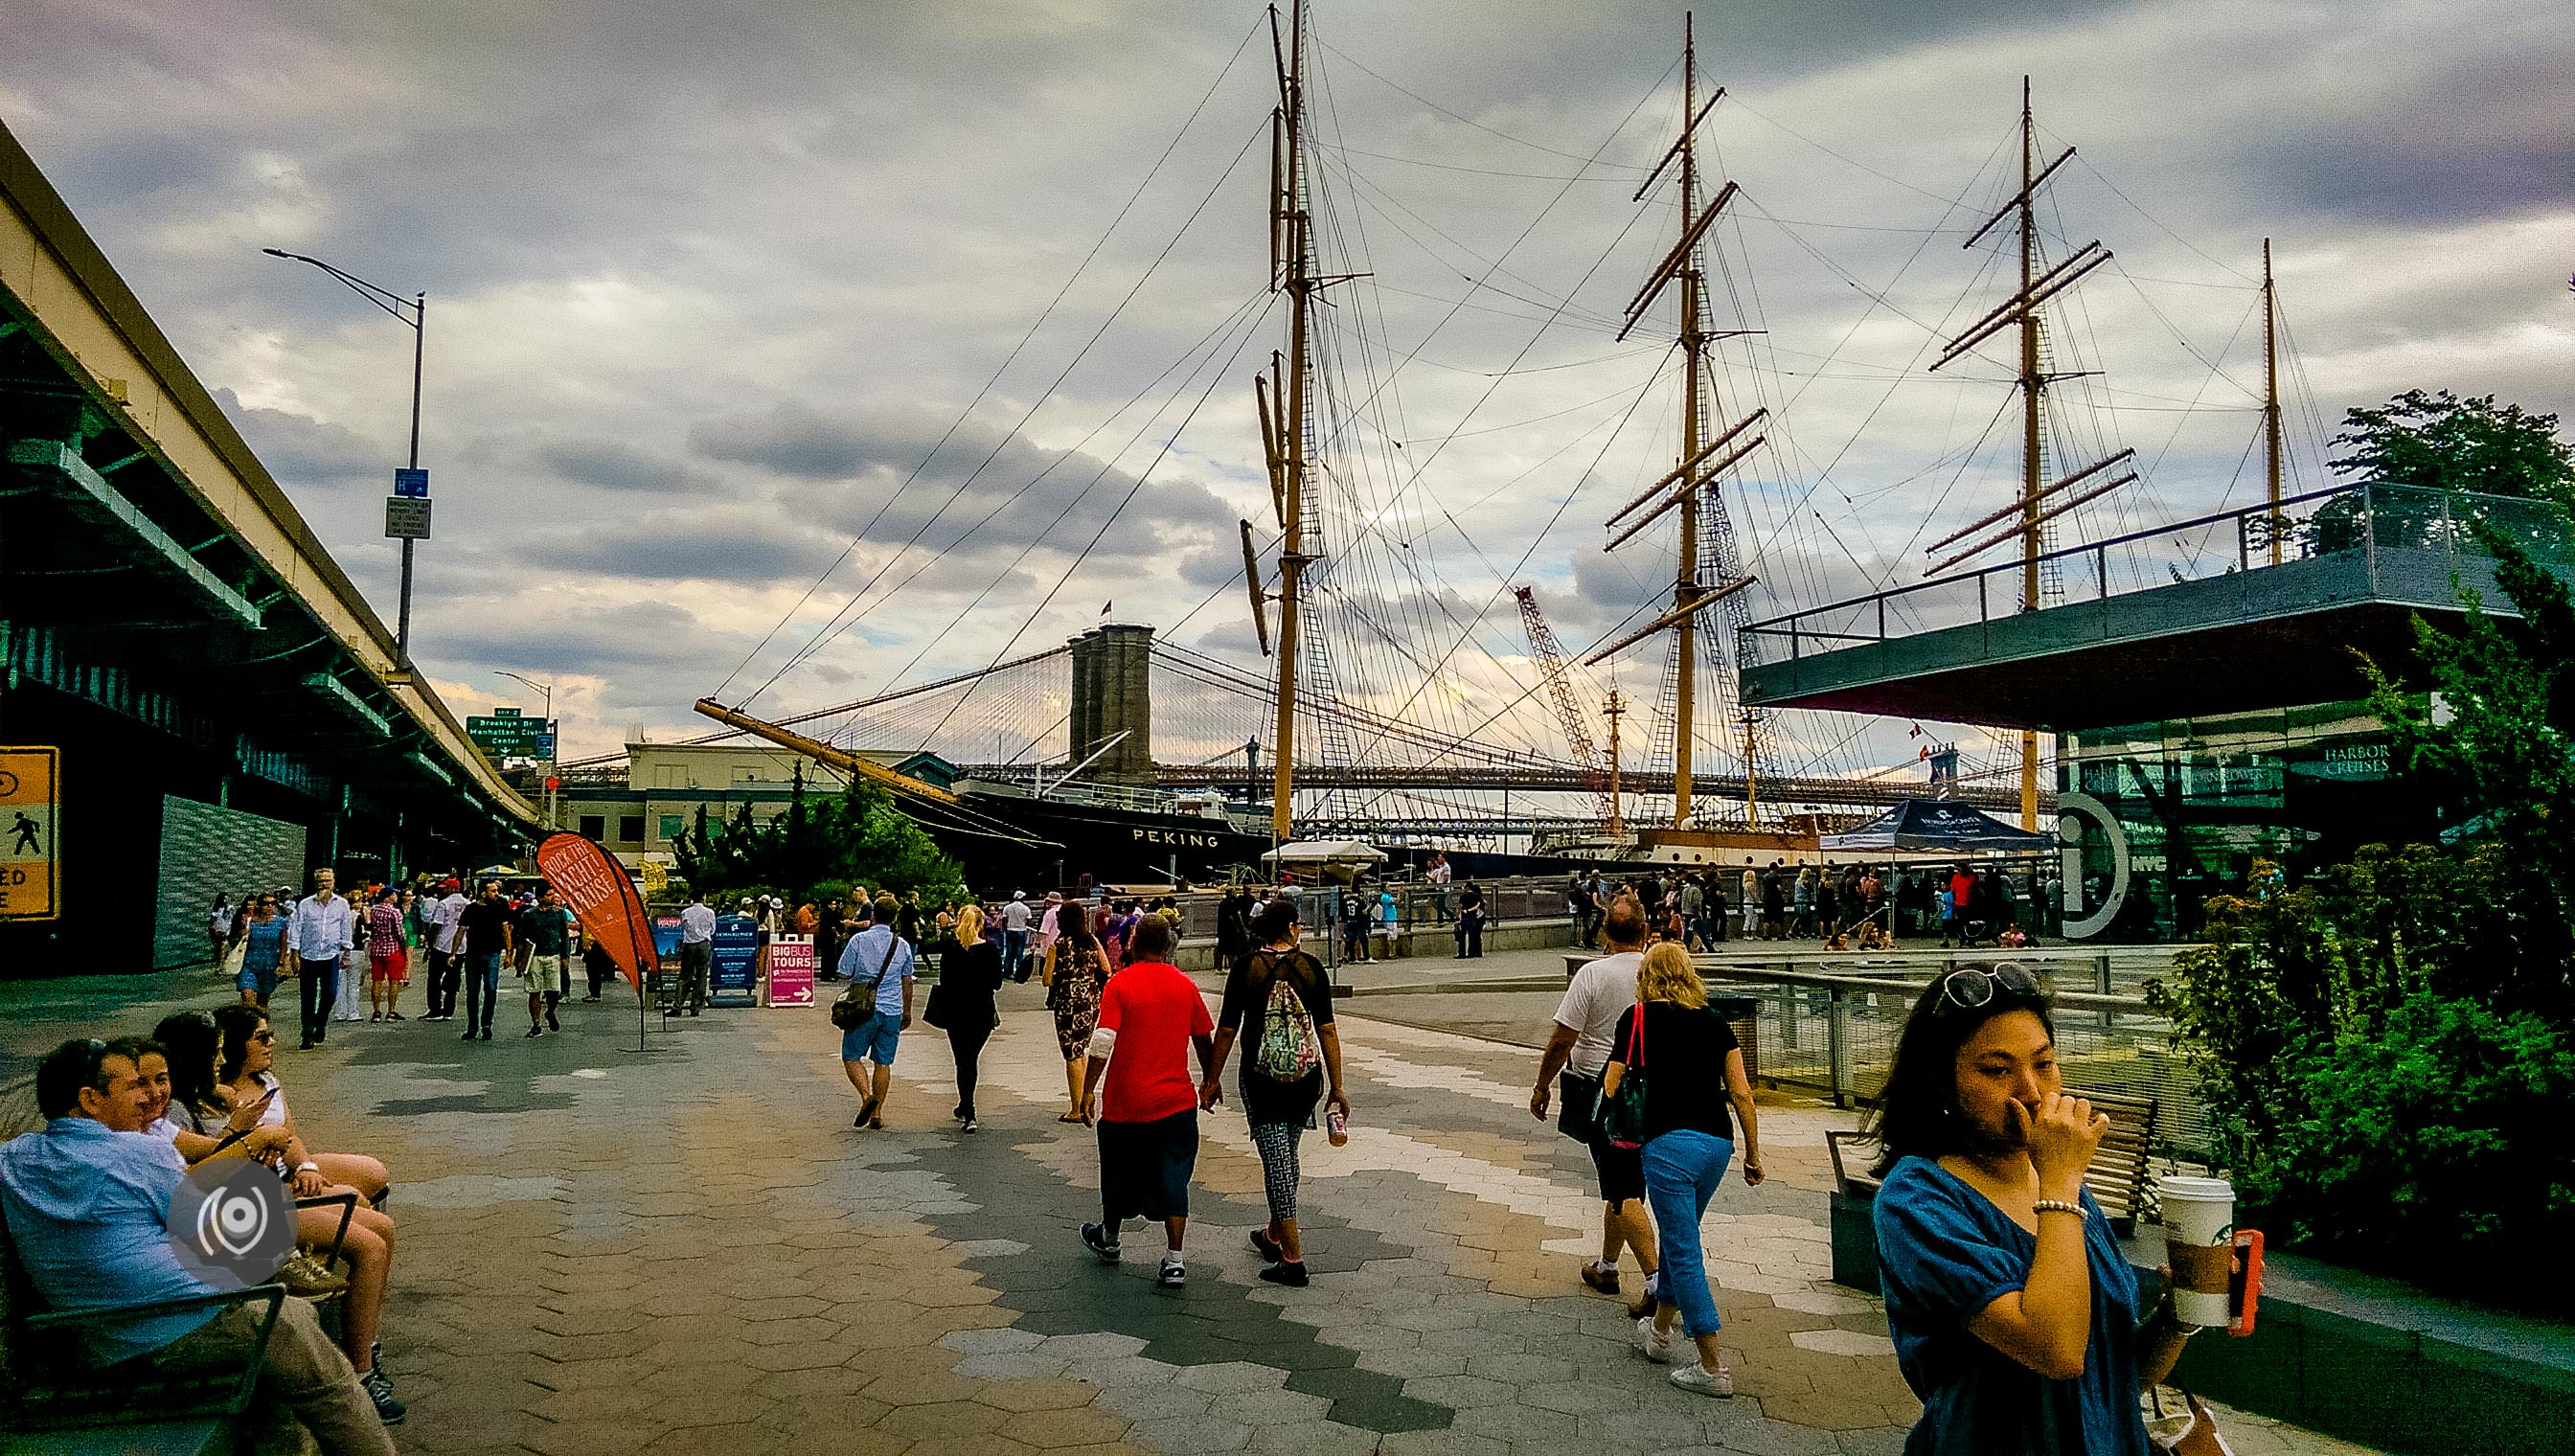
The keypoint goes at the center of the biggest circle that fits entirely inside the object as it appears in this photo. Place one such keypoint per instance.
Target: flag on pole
(603, 897)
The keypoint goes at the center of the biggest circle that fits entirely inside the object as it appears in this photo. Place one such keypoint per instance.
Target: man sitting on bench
(87, 1205)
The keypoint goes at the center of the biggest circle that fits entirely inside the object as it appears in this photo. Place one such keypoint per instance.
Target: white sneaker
(1654, 1344)
(1718, 1382)
(1175, 1273)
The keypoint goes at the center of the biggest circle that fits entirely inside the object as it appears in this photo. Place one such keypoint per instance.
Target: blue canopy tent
(1939, 824)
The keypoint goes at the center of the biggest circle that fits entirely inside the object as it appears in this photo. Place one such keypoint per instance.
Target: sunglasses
(1971, 986)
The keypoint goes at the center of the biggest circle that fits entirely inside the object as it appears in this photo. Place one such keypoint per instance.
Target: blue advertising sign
(666, 938)
(733, 979)
(411, 481)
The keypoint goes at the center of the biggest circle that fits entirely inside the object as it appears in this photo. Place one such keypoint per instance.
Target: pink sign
(790, 971)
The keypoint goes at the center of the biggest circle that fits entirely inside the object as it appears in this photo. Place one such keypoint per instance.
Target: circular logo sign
(231, 1223)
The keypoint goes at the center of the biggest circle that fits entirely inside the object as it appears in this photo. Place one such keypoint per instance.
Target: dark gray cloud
(616, 466)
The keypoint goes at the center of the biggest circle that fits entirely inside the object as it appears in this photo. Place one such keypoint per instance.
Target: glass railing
(2365, 519)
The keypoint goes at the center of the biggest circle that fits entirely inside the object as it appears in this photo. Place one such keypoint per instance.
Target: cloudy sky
(709, 285)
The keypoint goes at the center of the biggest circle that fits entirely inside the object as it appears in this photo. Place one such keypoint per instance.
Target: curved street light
(411, 312)
(553, 734)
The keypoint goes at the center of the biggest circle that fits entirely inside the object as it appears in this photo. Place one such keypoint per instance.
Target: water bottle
(1337, 1125)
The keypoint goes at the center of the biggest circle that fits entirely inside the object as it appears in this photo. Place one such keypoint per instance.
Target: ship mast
(1283, 411)
(1693, 481)
(2039, 501)
(2272, 396)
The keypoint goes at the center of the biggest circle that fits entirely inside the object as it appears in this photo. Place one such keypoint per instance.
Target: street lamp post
(553, 735)
(412, 313)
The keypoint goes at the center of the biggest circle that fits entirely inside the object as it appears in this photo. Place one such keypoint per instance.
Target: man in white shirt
(318, 933)
(1587, 1021)
(446, 957)
(1015, 936)
(697, 952)
(1438, 878)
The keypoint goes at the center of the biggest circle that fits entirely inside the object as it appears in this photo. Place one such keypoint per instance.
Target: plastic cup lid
(2190, 1189)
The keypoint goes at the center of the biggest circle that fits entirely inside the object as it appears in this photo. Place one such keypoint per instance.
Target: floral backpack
(1289, 1050)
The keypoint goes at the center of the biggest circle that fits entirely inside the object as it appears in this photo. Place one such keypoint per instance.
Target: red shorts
(388, 968)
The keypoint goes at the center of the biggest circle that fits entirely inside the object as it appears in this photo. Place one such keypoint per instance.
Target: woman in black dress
(969, 976)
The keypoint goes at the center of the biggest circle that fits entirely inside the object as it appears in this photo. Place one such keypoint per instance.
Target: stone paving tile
(688, 1249)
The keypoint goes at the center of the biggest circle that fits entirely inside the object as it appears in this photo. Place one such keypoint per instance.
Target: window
(674, 825)
(630, 829)
(594, 827)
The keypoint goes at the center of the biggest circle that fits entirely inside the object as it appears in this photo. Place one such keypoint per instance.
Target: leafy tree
(2447, 443)
(857, 836)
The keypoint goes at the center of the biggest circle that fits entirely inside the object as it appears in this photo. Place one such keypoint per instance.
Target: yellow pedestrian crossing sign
(30, 813)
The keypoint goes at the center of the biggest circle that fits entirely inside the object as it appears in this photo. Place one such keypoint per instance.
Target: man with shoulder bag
(875, 1010)
(1586, 1022)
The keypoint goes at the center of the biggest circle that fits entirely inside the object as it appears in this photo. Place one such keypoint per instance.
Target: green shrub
(2436, 1144)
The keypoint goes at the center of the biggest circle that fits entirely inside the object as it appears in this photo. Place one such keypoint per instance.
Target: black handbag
(856, 1005)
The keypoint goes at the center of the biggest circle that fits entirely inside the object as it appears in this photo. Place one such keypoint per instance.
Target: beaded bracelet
(2057, 1206)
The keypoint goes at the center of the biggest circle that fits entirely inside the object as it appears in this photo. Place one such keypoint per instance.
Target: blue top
(866, 952)
(88, 1209)
(261, 942)
(1944, 1254)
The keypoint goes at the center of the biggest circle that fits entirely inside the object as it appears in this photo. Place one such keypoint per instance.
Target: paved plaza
(691, 1249)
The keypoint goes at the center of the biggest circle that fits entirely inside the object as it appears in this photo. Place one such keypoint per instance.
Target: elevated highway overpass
(229, 711)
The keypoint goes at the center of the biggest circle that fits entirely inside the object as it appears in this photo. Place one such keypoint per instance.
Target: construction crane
(1554, 673)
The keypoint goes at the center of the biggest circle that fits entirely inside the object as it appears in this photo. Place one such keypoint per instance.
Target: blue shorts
(872, 1039)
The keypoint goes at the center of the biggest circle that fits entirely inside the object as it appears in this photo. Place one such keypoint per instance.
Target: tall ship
(1383, 667)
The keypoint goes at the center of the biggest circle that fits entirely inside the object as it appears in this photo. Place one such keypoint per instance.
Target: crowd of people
(351, 956)
(2020, 1329)
(1845, 906)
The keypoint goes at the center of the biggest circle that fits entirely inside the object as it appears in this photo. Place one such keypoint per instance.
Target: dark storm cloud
(792, 439)
(300, 449)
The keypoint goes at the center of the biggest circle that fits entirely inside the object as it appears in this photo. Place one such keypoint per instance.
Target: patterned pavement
(691, 1249)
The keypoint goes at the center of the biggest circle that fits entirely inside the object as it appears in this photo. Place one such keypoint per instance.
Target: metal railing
(2363, 520)
(1836, 1036)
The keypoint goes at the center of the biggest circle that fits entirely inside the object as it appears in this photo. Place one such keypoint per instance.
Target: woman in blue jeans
(1693, 1067)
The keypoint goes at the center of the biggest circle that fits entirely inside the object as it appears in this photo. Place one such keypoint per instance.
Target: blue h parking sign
(409, 480)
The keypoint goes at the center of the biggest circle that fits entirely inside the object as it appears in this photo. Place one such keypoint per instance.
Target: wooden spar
(2013, 206)
(1685, 586)
(1996, 313)
(1674, 617)
(1674, 149)
(2272, 396)
(1671, 266)
(1252, 580)
(2056, 281)
(1260, 402)
(2047, 515)
(1289, 213)
(1683, 468)
(1722, 466)
(1990, 518)
(823, 753)
(2032, 382)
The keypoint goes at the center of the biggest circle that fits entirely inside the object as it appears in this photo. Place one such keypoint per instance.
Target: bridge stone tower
(1112, 692)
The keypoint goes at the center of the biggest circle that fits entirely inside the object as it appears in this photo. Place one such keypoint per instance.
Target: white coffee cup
(2197, 1212)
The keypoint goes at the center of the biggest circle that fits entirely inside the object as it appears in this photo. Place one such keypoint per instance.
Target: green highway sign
(506, 734)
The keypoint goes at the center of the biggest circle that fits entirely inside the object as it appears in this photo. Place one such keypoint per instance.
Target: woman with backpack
(1686, 1067)
(1285, 1061)
(1075, 972)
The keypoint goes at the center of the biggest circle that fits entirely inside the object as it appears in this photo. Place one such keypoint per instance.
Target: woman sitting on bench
(240, 1078)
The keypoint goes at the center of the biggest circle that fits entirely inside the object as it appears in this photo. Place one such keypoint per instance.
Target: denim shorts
(872, 1039)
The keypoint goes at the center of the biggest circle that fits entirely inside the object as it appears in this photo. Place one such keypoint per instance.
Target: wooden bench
(2116, 1177)
(54, 1401)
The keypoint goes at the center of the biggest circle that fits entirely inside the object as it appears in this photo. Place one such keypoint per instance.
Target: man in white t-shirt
(1015, 936)
(1587, 1021)
(446, 951)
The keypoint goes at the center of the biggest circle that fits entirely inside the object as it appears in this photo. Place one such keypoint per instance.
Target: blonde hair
(1668, 975)
(970, 924)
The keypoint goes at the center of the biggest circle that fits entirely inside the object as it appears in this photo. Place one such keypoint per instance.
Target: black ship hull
(1110, 844)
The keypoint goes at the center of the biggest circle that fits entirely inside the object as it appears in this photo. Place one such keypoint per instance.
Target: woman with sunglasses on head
(246, 1050)
(2013, 1311)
